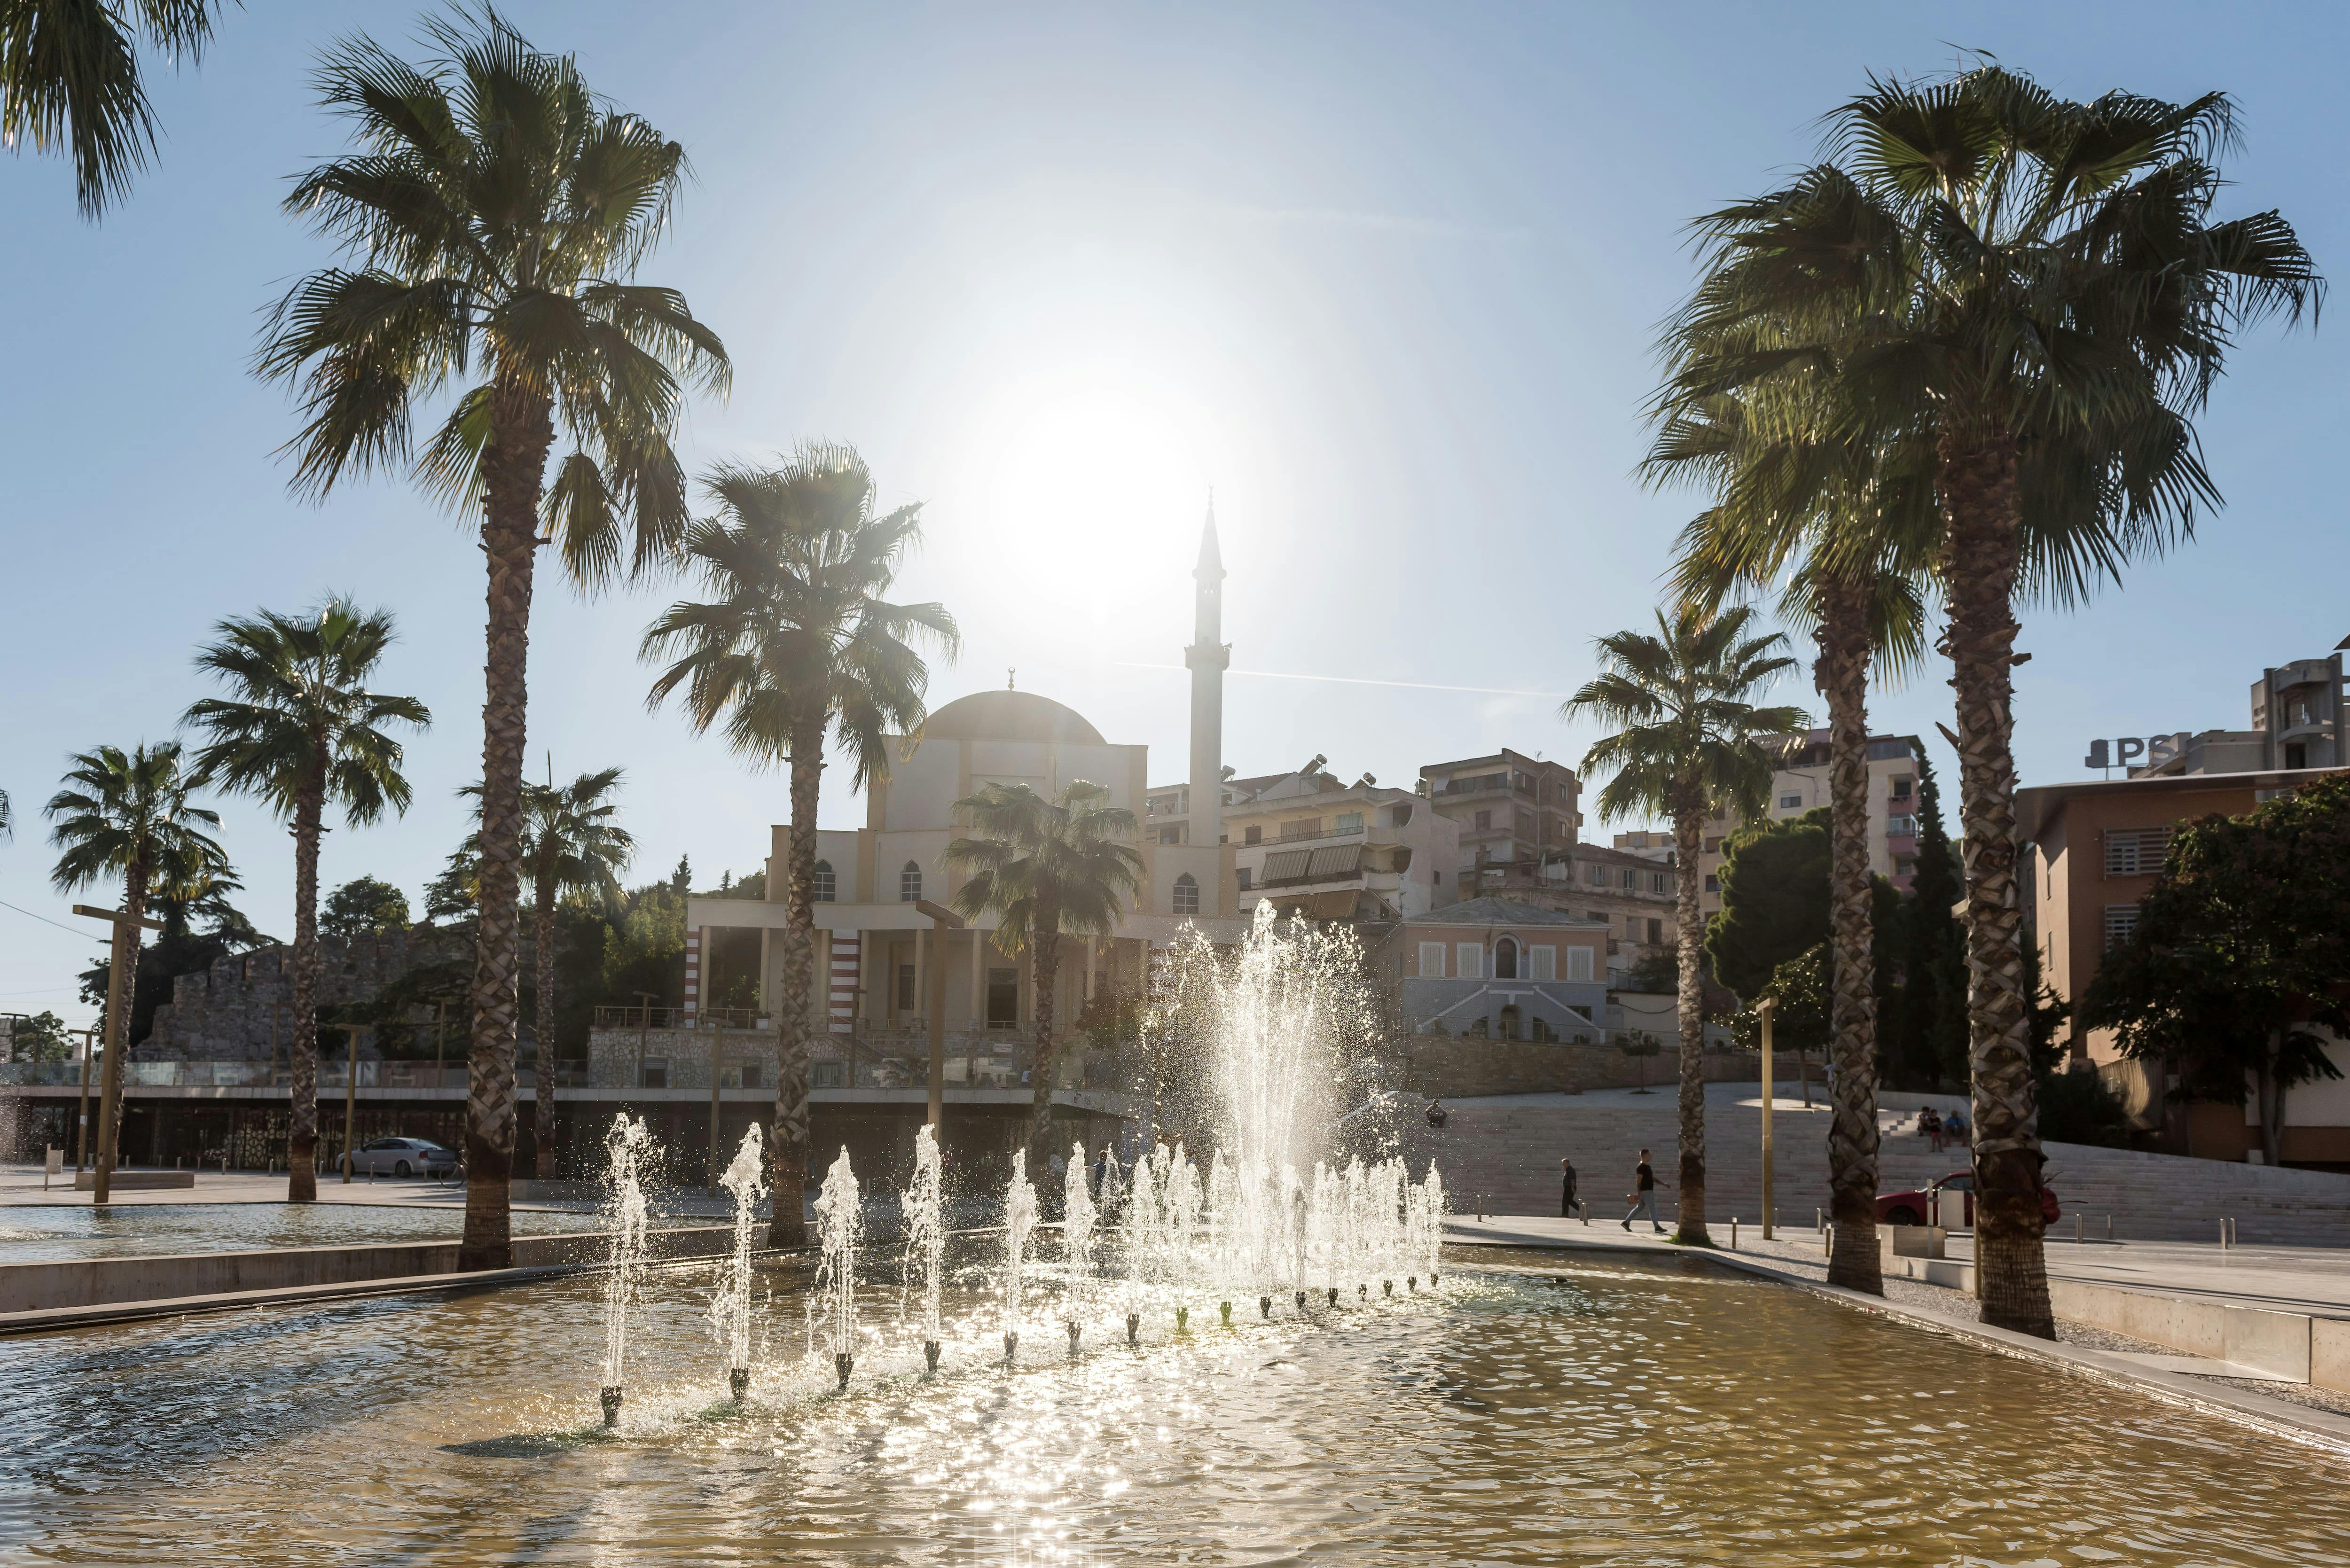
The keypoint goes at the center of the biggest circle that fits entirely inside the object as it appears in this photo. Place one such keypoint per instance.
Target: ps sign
(2125, 751)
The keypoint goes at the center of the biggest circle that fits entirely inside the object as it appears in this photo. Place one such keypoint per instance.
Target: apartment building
(1313, 845)
(1632, 894)
(1801, 784)
(1510, 807)
(2297, 722)
(2095, 847)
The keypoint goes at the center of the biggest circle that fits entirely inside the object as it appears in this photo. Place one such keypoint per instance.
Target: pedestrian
(1567, 1201)
(1929, 1122)
(1643, 1197)
(1435, 1113)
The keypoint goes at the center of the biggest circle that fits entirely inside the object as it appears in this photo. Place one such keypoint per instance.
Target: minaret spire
(1207, 658)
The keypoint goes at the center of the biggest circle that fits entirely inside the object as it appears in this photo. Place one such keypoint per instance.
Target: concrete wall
(100, 1281)
(223, 1013)
(1455, 1067)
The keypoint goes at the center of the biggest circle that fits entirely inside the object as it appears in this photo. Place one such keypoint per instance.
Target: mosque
(875, 948)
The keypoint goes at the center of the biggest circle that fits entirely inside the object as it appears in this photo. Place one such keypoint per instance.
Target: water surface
(38, 1234)
(1601, 1412)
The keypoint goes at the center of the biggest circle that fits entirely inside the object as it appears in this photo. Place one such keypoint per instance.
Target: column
(977, 1017)
(921, 971)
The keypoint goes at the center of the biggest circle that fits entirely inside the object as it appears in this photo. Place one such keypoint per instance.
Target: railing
(617, 1017)
(1287, 839)
(334, 1076)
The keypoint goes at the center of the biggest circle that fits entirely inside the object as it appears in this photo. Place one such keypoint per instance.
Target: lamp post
(124, 959)
(351, 1092)
(717, 1065)
(81, 1115)
(1762, 1011)
(942, 921)
(644, 1028)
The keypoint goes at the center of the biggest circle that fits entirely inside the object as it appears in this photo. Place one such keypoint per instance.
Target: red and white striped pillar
(841, 998)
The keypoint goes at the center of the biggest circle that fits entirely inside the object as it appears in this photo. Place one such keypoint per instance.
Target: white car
(403, 1157)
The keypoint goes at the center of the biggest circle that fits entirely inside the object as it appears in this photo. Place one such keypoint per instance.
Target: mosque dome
(1010, 716)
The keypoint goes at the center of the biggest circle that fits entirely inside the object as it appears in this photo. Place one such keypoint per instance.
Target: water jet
(842, 1362)
(611, 1398)
(1227, 1307)
(1182, 1318)
(1011, 1349)
(1073, 1342)
(1134, 1328)
(1265, 1306)
(738, 1382)
(931, 1353)
(1386, 1287)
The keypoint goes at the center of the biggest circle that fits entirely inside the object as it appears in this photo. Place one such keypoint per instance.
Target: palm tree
(571, 845)
(302, 732)
(1045, 869)
(127, 814)
(796, 641)
(1848, 534)
(69, 82)
(2033, 292)
(494, 212)
(1689, 741)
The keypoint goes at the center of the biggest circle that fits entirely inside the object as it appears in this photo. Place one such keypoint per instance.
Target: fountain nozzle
(1364, 1290)
(739, 1381)
(1411, 1284)
(1265, 1306)
(842, 1361)
(1386, 1287)
(1073, 1339)
(611, 1398)
(931, 1353)
(1010, 1348)
(1182, 1317)
(1227, 1307)
(1431, 1279)
(1301, 1301)
(1334, 1295)
(1133, 1328)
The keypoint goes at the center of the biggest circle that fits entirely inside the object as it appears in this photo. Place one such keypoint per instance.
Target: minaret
(1207, 658)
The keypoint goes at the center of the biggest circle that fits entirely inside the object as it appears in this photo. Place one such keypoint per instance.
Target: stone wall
(226, 1014)
(1457, 1067)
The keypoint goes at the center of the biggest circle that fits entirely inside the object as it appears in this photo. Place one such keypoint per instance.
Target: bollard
(2077, 1236)
(2110, 1227)
(1819, 1221)
(1733, 1232)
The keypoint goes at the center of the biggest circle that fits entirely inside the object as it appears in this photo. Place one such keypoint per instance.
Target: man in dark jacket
(1567, 1201)
(1644, 1195)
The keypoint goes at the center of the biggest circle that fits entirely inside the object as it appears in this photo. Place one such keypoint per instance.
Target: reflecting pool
(1535, 1408)
(36, 1234)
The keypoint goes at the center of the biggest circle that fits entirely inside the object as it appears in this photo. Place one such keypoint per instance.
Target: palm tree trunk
(787, 1136)
(513, 473)
(2271, 1108)
(1045, 969)
(543, 1122)
(1842, 669)
(121, 991)
(1689, 833)
(1981, 504)
(302, 1049)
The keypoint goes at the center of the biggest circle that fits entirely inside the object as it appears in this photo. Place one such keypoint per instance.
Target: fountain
(730, 1309)
(1019, 1220)
(1077, 1242)
(924, 1207)
(627, 1145)
(838, 1219)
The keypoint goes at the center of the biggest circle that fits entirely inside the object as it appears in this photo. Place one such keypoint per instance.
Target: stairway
(1508, 1147)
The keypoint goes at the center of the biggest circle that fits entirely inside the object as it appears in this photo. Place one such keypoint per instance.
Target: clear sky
(1387, 279)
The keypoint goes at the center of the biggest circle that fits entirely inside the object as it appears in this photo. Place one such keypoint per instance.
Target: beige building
(1312, 845)
(1801, 784)
(1510, 807)
(1632, 894)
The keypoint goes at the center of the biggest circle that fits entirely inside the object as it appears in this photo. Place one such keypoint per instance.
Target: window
(1484, 822)
(1253, 835)
(2296, 755)
(1714, 847)
(909, 883)
(1545, 961)
(1525, 824)
(906, 988)
(1244, 874)
(1714, 884)
(2135, 852)
(824, 884)
(1187, 895)
(1656, 932)
(1657, 882)
(1431, 961)
(750, 1074)
(1004, 999)
(1470, 961)
(828, 1074)
(1348, 822)
(656, 1072)
(1579, 963)
(1790, 802)
(1595, 874)
(2121, 924)
(1510, 1022)
(1505, 960)
(1303, 827)
(1901, 828)
(1628, 877)
(1171, 835)
(1901, 788)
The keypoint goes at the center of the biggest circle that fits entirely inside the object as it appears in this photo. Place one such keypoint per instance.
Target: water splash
(1019, 1220)
(925, 1206)
(839, 1221)
(627, 1145)
(1078, 1238)
(730, 1309)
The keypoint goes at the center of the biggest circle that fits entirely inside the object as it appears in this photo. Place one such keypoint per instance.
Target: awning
(1326, 863)
(1337, 906)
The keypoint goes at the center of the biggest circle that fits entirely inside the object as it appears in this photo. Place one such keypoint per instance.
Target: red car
(1911, 1208)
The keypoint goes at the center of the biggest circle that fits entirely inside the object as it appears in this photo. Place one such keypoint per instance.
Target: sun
(1093, 481)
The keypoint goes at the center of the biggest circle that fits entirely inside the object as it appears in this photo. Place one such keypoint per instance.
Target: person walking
(1643, 1197)
(1567, 1201)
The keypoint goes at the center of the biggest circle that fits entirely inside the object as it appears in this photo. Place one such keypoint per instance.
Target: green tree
(127, 813)
(301, 731)
(572, 845)
(1640, 1045)
(69, 82)
(2030, 294)
(796, 641)
(38, 1037)
(1774, 899)
(2236, 968)
(1689, 741)
(363, 907)
(1928, 1043)
(1046, 869)
(496, 210)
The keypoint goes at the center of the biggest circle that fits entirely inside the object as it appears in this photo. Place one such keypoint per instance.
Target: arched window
(824, 884)
(1510, 1022)
(1187, 895)
(909, 883)
(1505, 960)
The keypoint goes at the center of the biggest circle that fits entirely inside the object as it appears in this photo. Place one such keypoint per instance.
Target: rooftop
(1010, 716)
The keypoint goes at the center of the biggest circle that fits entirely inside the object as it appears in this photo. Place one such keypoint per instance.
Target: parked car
(403, 1157)
(1911, 1208)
